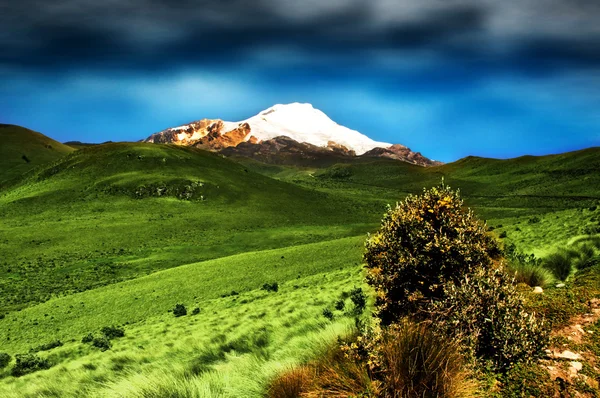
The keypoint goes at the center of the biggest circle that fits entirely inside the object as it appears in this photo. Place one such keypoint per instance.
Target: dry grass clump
(416, 362)
(405, 360)
(291, 383)
(334, 374)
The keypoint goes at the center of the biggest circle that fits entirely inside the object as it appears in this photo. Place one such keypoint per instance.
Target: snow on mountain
(300, 122)
(303, 123)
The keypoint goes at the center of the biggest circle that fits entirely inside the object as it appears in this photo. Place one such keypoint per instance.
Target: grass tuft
(418, 363)
(560, 264)
(531, 274)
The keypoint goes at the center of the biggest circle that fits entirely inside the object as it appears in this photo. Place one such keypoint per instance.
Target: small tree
(424, 243)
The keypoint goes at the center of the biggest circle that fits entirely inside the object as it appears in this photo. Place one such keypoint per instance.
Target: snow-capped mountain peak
(284, 132)
(304, 123)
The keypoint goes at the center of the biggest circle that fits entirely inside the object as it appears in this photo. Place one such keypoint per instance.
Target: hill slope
(22, 149)
(118, 211)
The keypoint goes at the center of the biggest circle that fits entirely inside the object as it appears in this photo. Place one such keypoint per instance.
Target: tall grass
(560, 264)
(582, 253)
(412, 362)
(531, 274)
(587, 255)
(331, 375)
(416, 362)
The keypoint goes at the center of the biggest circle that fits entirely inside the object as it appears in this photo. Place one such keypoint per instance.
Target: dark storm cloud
(149, 34)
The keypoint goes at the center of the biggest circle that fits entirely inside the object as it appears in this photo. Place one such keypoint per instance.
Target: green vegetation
(101, 244)
(80, 224)
(23, 150)
(415, 362)
(425, 243)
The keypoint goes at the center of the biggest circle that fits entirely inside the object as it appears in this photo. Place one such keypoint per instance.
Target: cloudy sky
(448, 78)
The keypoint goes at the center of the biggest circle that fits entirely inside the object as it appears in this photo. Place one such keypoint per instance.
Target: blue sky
(448, 79)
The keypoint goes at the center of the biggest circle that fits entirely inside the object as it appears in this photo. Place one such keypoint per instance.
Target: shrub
(179, 310)
(4, 360)
(270, 287)
(196, 311)
(532, 275)
(337, 172)
(327, 313)
(28, 363)
(112, 332)
(534, 220)
(88, 338)
(359, 299)
(560, 263)
(102, 343)
(503, 235)
(412, 361)
(47, 346)
(424, 243)
(513, 255)
(340, 305)
(487, 314)
(592, 262)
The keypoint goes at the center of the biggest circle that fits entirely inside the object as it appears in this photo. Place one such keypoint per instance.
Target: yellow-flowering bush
(424, 243)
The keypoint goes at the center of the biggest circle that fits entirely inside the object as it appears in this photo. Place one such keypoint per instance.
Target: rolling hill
(23, 149)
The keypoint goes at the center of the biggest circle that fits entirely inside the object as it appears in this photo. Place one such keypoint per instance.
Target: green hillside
(118, 211)
(523, 185)
(23, 149)
(230, 349)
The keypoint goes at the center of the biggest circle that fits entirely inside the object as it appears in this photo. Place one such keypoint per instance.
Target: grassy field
(118, 234)
(252, 328)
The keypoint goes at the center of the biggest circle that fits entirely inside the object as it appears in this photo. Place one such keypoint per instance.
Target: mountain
(400, 152)
(300, 129)
(23, 149)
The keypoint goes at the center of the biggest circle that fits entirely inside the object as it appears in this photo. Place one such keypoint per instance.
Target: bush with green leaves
(112, 332)
(425, 242)
(4, 360)
(485, 311)
(47, 346)
(270, 287)
(586, 256)
(526, 268)
(29, 363)
(359, 299)
(179, 310)
(102, 343)
(88, 338)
